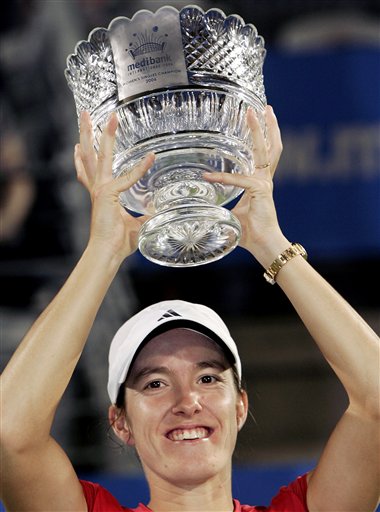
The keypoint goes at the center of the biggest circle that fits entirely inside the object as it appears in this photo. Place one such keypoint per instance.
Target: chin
(197, 472)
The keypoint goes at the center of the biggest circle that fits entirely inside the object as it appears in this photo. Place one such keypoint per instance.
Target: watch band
(294, 250)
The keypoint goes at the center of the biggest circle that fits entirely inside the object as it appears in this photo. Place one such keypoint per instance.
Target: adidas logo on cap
(168, 314)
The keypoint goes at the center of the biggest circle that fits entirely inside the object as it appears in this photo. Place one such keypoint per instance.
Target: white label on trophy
(148, 52)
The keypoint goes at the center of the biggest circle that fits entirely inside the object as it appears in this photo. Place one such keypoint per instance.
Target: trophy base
(189, 235)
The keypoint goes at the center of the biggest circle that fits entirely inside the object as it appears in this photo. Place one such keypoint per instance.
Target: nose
(187, 403)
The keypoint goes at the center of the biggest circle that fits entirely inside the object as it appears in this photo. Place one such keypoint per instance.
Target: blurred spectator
(17, 191)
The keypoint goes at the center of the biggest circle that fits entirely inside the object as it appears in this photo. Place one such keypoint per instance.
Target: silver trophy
(181, 83)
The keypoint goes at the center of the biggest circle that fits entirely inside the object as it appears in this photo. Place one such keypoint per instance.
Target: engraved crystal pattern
(195, 127)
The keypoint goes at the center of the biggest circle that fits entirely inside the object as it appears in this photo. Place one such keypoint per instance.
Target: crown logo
(147, 42)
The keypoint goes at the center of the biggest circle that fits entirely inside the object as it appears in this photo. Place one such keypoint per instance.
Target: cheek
(142, 414)
(225, 405)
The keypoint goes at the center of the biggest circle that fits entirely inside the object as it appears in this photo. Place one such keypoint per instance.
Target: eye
(155, 384)
(208, 379)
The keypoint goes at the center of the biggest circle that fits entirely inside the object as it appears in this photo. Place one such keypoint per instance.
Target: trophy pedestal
(189, 235)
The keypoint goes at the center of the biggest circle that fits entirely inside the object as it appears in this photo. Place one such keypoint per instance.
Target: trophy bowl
(181, 83)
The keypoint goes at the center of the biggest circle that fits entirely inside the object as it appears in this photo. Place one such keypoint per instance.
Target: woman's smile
(189, 434)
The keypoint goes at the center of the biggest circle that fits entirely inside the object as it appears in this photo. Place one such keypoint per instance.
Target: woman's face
(183, 409)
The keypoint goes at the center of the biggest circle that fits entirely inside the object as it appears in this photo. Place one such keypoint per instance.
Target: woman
(177, 396)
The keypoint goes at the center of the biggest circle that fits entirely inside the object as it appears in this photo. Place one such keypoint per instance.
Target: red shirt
(290, 498)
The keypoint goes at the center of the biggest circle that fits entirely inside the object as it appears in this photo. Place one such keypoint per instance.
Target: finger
(86, 138)
(105, 152)
(236, 180)
(274, 138)
(260, 146)
(132, 176)
(79, 166)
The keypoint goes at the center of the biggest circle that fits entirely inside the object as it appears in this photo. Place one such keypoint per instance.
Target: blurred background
(322, 76)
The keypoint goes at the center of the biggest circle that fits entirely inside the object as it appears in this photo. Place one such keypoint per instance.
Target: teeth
(183, 434)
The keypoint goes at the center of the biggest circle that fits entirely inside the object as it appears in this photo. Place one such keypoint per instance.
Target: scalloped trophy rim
(91, 40)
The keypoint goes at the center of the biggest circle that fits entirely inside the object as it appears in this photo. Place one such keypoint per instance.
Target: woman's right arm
(36, 473)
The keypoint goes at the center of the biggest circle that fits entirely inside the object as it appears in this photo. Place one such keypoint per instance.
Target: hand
(261, 234)
(112, 227)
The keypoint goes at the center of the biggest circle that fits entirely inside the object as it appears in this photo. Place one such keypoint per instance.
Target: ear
(119, 424)
(241, 409)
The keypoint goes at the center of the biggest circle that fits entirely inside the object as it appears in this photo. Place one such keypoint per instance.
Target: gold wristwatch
(294, 250)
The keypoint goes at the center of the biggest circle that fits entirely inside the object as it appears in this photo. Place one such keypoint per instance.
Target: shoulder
(290, 498)
(293, 496)
(98, 499)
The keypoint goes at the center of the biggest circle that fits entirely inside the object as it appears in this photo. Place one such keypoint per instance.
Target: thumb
(132, 176)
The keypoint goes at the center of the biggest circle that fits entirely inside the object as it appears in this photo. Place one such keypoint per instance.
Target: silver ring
(262, 166)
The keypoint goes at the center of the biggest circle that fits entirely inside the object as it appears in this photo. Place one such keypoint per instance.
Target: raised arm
(347, 477)
(36, 474)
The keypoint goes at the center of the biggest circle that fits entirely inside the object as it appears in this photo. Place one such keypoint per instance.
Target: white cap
(150, 320)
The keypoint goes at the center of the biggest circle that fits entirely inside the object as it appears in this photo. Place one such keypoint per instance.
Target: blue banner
(327, 186)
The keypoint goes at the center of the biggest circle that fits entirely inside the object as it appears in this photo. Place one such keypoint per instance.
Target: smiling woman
(182, 409)
(174, 370)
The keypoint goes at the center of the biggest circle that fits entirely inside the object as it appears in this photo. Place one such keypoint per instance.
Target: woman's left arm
(347, 476)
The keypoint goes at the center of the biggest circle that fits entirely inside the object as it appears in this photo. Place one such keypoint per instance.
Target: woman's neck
(213, 495)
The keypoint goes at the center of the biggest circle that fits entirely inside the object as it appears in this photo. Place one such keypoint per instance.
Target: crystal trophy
(180, 83)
